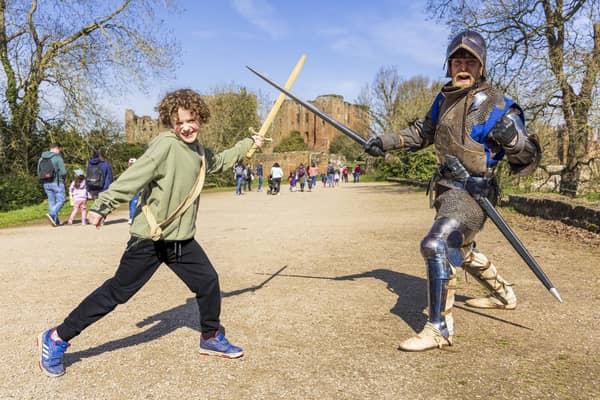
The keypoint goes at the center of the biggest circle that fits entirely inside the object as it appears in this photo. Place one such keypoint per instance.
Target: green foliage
(345, 146)
(418, 166)
(592, 196)
(120, 153)
(513, 184)
(292, 142)
(17, 192)
(233, 110)
(222, 179)
(46, 63)
(394, 102)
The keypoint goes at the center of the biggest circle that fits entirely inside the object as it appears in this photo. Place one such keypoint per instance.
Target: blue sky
(345, 42)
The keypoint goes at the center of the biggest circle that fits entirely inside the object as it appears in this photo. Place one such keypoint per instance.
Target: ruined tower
(317, 133)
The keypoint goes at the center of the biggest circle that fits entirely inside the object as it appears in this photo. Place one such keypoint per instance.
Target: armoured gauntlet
(374, 147)
(523, 152)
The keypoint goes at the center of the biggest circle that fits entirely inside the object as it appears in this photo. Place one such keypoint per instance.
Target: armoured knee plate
(440, 249)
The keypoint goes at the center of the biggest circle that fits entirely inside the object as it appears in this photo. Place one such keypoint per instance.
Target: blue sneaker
(51, 353)
(219, 346)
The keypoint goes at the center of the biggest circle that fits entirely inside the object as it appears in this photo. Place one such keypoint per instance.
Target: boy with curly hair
(171, 168)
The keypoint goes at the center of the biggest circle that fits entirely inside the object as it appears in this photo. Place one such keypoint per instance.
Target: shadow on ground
(183, 316)
(412, 295)
(411, 292)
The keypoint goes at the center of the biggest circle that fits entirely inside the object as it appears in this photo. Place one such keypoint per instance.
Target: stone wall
(582, 216)
(317, 133)
(548, 178)
(140, 129)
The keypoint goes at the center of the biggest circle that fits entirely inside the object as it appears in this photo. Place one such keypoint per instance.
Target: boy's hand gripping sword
(271, 116)
(483, 201)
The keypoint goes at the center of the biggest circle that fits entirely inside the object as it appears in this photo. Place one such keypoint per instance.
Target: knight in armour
(475, 123)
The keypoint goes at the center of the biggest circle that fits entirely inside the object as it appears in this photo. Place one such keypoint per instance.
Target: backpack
(95, 178)
(301, 171)
(46, 171)
(330, 169)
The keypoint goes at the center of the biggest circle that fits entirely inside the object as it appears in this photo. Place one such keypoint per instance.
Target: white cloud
(262, 15)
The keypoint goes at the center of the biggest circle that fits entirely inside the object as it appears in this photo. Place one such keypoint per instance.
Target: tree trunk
(576, 152)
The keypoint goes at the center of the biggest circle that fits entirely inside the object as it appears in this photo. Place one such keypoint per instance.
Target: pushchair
(271, 186)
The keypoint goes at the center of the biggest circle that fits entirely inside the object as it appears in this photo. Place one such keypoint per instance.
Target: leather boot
(485, 272)
(429, 338)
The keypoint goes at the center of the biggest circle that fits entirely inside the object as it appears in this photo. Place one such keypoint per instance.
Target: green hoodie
(166, 173)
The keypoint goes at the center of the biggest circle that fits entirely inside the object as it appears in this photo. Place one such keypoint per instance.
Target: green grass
(31, 214)
(37, 214)
(593, 196)
(218, 189)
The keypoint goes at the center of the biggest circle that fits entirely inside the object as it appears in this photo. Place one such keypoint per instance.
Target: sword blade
(271, 116)
(512, 238)
(336, 124)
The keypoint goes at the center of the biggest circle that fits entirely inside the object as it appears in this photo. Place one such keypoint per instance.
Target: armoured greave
(439, 249)
(485, 272)
(441, 278)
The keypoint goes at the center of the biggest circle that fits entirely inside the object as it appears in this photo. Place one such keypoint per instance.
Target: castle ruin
(140, 129)
(317, 133)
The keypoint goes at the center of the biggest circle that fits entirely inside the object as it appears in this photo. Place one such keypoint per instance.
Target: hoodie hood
(48, 154)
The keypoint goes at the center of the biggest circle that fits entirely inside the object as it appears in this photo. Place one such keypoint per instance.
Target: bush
(293, 142)
(120, 153)
(418, 166)
(20, 191)
(222, 179)
(345, 146)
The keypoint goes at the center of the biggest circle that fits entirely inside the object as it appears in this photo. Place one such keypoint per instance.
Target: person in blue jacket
(99, 174)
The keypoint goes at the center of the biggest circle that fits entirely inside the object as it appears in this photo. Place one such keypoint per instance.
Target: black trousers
(277, 184)
(138, 263)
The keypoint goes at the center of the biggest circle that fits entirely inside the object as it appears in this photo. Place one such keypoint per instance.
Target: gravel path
(327, 326)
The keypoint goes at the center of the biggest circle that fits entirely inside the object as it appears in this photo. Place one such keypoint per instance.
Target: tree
(394, 102)
(341, 144)
(233, 110)
(71, 53)
(292, 142)
(546, 54)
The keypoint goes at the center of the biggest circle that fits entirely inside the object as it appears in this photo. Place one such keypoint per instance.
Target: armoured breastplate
(459, 111)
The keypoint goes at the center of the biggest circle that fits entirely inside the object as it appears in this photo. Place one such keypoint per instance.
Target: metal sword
(483, 201)
(458, 170)
(271, 116)
(342, 128)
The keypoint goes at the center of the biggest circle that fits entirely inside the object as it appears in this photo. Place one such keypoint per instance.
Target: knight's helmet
(471, 42)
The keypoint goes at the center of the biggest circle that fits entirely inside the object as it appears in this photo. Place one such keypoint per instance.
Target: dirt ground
(351, 286)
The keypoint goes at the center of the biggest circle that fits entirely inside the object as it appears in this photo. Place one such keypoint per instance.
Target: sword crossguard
(265, 138)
